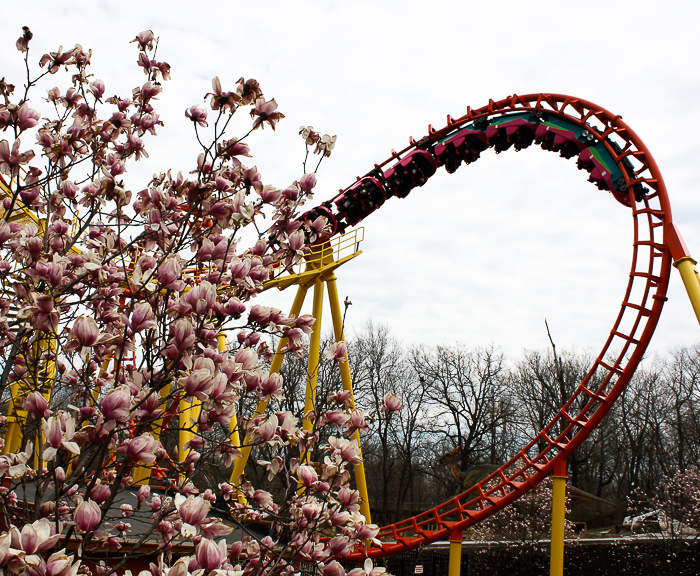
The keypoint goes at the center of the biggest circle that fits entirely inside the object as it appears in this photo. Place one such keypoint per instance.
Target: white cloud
(480, 256)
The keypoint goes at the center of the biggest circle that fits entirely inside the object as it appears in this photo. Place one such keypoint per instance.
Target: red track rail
(655, 244)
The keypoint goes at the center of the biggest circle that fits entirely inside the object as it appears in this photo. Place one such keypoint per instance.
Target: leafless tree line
(490, 406)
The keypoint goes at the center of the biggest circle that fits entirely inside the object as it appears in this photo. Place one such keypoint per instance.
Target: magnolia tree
(672, 515)
(113, 306)
(527, 520)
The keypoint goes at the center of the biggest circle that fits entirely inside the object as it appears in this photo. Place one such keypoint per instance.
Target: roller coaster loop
(617, 161)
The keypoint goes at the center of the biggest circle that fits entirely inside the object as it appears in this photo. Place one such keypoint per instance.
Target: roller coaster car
(558, 138)
(518, 131)
(465, 146)
(321, 210)
(639, 190)
(361, 199)
(607, 175)
(409, 173)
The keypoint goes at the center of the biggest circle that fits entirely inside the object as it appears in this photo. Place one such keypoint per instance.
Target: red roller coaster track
(655, 246)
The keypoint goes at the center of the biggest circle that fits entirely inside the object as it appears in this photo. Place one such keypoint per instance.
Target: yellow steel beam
(686, 267)
(556, 558)
(314, 352)
(346, 379)
(455, 562)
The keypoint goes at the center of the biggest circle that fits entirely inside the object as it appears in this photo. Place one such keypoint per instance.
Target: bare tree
(395, 449)
(470, 406)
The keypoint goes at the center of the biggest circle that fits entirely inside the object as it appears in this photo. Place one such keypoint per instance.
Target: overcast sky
(484, 255)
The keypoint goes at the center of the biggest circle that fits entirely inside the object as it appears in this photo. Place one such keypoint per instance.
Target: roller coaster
(616, 161)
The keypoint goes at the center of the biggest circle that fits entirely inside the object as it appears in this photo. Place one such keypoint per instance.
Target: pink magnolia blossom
(116, 403)
(343, 397)
(337, 351)
(325, 145)
(23, 41)
(199, 382)
(307, 475)
(38, 536)
(339, 546)
(192, 510)
(198, 300)
(27, 117)
(347, 450)
(10, 161)
(305, 323)
(145, 40)
(235, 148)
(169, 275)
(357, 422)
(182, 333)
(288, 424)
(85, 331)
(337, 417)
(100, 493)
(248, 90)
(210, 555)
(392, 403)
(36, 404)
(268, 428)
(142, 317)
(197, 115)
(221, 100)
(143, 493)
(308, 182)
(141, 449)
(265, 112)
(59, 564)
(97, 88)
(270, 194)
(87, 515)
(368, 532)
(309, 135)
(59, 431)
(368, 568)
(333, 568)
(271, 386)
(252, 179)
(247, 358)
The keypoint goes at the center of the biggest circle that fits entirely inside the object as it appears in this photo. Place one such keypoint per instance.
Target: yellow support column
(13, 437)
(142, 473)
(455, 563)
(346, 379)
(556, 558)
(189, 410)
(314, 351)
(686, 267)
(233, 424)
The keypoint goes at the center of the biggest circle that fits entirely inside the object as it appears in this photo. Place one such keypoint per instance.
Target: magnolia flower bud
(307, 182)
(193, 509)
(115, 405)
(100, 493)
(85, 331)
(307, 475)
(143, 493)
(337, 351)
(36, 404)
(141, 449)
(209, 555)
(392, 403)
(87, 515)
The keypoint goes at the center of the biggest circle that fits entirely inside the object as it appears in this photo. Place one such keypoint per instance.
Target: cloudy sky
(484, 255)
